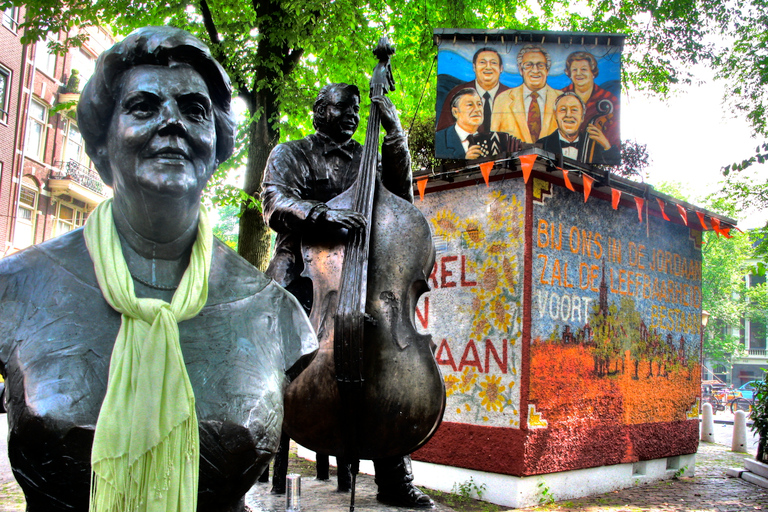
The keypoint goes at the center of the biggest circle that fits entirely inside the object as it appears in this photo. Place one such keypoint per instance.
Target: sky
(690, 137)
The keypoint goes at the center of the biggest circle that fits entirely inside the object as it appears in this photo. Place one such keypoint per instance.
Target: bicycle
(741, 404)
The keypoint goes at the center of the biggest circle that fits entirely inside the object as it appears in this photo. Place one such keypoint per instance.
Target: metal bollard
(293, 492)
(707, 424)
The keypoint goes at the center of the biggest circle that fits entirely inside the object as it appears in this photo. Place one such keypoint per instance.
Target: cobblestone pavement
(709, 491)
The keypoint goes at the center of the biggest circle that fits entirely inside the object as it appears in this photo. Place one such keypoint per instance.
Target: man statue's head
(467, 109)
(487, 64)
(534, 63)
(336, 112)
(569, 113)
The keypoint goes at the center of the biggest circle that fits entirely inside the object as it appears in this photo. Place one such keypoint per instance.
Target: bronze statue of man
(300, 178)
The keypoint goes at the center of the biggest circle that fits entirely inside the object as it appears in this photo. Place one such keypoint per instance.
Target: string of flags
(526, 165)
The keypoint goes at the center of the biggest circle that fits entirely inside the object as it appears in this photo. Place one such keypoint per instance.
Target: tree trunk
(254, 241)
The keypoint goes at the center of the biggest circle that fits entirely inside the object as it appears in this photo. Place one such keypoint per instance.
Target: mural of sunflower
(446, 224)
(474, 234)
(497, 209)
(451, 382)
(509, 269)
(493, 400)
(500, 313)
(497, 247)
(480, 328)
(467, 379)
(489, 279)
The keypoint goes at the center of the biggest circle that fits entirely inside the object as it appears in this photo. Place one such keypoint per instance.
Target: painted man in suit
(488, 66)
(569, 141)
(463, 139)
(527, 111)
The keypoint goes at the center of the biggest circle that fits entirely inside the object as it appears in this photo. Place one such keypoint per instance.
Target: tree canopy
(279, 52)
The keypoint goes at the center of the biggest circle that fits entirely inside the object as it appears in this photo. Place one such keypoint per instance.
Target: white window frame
(11, 19)
(66, 225)
(45, 60)
(37, 153)
(81, 157)
(6, 97)
(24, 232)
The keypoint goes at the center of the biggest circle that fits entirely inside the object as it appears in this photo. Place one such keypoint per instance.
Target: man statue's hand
(344, 218)
(389, 119)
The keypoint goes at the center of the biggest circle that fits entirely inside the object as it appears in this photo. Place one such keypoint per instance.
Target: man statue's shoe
(405, 495)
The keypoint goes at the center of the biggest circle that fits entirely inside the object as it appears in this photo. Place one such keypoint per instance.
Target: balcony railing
(80, 174)
(757, 352)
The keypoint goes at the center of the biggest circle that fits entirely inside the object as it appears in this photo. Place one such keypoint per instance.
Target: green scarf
(146, 448)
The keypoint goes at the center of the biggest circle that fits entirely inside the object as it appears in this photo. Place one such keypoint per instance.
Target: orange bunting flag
(701, 221)
(615, 198)
(661, 207)
(716, 225)
(485, 169)
(526, 164)
(683, 213)
(422, 186)
(639, 201)
(568, 183)
(587, 186)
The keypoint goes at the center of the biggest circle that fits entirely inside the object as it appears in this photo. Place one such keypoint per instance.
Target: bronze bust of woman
(156, 120)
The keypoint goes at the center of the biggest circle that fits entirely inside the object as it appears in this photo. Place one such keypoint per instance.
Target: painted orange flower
(468, 378)
(493, 400)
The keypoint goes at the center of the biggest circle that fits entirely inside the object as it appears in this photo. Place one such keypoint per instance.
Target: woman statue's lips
(171, 154)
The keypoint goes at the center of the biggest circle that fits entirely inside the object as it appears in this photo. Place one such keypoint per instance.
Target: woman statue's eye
(141, 109)
(195, 111)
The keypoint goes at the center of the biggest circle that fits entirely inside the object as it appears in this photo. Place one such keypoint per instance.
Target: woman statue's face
(162, 138)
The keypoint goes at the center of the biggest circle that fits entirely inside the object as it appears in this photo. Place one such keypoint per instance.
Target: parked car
(748, 390)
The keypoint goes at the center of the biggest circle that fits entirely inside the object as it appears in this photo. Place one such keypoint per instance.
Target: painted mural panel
(616, 314)
(492, 95)
(474, 311)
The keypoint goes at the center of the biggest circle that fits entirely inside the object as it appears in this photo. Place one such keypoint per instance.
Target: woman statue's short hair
(159, 46)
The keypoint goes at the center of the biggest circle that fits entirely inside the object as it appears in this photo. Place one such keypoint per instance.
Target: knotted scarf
(146, 447)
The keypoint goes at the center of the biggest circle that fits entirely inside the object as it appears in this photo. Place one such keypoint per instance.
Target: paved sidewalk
(709, 491)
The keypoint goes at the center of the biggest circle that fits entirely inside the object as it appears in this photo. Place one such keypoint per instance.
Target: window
(36, 130)
(84, 64)
(754, 331)
(45, 60)
(11, 18)
(75, 147)
(5, 93)
(26, 214)
(68, 218)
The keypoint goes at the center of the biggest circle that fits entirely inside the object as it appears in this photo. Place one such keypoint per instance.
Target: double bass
(600, 120)
(373, 389)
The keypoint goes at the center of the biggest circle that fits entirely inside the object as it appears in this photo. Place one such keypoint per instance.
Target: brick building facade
(47, 183)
